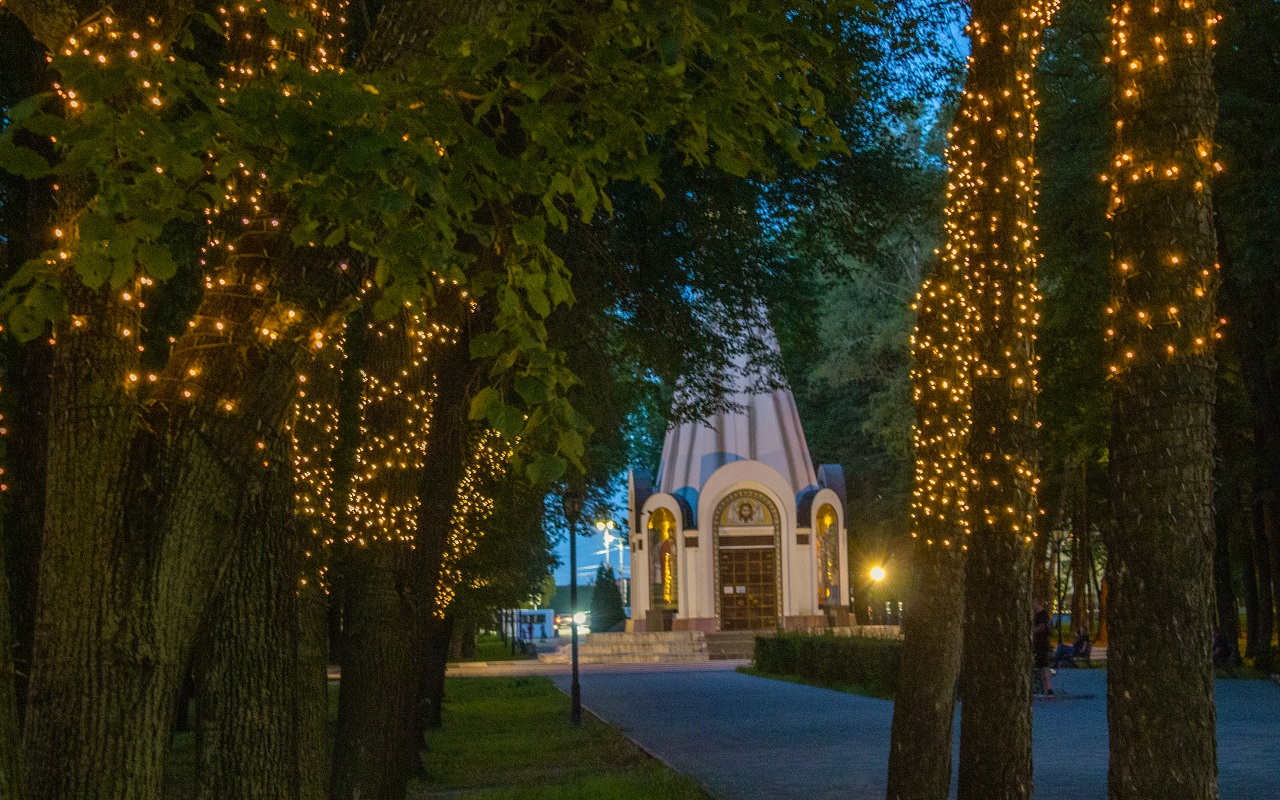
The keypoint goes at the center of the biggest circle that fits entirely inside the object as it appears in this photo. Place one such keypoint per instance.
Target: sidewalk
(749, 738)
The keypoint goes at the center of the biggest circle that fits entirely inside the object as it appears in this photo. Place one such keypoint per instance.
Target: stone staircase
(724, 645)
(634, 648)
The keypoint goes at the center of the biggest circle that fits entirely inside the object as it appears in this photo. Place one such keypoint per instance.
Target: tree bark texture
(1271, 516)
(1160, 705)
(140, 502)
(1249, 588)
(993, 142)
(10, 734)
(920, 744)
(376, 749)
(1260, 646)
(439, 633)
(313, 693)
(29, 435)
(1227, 614)
(924, 708)
(248, 682)
(139, 497)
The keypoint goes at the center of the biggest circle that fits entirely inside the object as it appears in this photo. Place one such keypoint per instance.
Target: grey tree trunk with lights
(1160, 705)
(924, 708)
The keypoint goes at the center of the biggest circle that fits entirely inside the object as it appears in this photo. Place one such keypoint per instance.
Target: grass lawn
(511, 738)
(490, 647)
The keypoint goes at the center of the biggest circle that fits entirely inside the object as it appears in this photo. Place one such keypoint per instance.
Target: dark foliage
(606, 601)
(867, 663)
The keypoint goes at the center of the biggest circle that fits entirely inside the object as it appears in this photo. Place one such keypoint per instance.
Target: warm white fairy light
(990, 204)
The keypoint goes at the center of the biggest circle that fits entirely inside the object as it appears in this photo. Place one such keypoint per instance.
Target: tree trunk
(924, 705)
(375, 750)
(313, 693)
(100, 695)
(248, 671)
(25, 524)
(1266, 618)
(1271, 506)
(436, 648)
(1160, 706)
(920, 743)
(992, 143)
(377, 746)
(1228, 617)
(1081, 557)
(138, 517)
(1249, 586)
(10, 735)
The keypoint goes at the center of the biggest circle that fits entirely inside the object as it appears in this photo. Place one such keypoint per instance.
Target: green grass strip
(511, 738)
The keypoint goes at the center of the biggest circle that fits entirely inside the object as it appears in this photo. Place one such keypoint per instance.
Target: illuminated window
(827, 531)
(662, 560)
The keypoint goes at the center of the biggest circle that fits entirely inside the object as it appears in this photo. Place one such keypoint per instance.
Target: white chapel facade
(739, 531)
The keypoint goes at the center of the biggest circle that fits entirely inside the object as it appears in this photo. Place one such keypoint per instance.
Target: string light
(977, 315)
(1162, 173)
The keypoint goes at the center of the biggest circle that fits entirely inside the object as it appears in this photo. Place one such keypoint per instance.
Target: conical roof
(764, 426)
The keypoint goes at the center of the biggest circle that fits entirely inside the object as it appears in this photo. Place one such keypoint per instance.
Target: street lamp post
(571, 503)
(606, 527)
(877, 575)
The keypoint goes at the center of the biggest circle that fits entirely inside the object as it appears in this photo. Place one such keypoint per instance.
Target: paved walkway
(749, 738)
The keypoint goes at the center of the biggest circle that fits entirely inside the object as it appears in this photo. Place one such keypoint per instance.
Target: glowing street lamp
(877, 575)
(606, 527)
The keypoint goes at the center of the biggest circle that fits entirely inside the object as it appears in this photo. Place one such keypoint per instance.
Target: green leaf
(530, 231)
(487, 345)
(280, 21)
(335, 237)
(24, 109)
(21, 161)
(157, 260)
(546, 468)
(669, 49)
(485, 398)
(531, 389)
(47, 302)
(571, 442)
(25, 323)
(506, 419)
(45, 125)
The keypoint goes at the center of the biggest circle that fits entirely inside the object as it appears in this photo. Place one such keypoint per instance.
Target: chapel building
(739, 531)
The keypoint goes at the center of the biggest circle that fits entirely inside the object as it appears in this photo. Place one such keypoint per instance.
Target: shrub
(866, 664)
(606, 601)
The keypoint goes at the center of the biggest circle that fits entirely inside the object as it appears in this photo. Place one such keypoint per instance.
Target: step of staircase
(725, 645)
(635, 648)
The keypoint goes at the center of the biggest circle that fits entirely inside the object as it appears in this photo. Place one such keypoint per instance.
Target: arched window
(662, 560)
(827, 529)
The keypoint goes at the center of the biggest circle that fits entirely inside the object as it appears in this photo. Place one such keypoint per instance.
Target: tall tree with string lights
(992, 147)
(1163, 324)
(975, 438)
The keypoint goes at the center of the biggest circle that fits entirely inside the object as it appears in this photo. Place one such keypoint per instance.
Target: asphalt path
(749, 738)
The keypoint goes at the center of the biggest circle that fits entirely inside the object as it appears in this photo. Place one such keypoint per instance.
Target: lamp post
(877, 575)
(606, 526)
(571, 504)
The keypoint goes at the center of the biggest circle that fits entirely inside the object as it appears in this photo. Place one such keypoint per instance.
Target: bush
(606, 601)
(866, 664)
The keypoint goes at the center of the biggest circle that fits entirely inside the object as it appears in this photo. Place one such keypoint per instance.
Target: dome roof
(765, 426)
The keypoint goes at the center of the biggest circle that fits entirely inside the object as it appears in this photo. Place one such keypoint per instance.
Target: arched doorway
(664, 583)
(746, 531)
